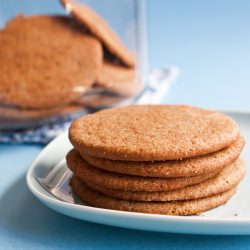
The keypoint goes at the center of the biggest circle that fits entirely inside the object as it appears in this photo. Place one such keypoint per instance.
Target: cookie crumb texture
(153, 133)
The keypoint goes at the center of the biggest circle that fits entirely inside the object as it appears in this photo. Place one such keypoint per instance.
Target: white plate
(233, 218)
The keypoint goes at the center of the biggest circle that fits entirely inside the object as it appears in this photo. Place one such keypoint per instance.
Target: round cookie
(152, 132)
(188, 167)
(46, 61)
(100, 29)
(227, 179)
(110, 180)
(118, 79)
(188, 207)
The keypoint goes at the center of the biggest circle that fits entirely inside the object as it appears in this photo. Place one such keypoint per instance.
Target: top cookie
(46, 61)
(100, 28)
(152, 132)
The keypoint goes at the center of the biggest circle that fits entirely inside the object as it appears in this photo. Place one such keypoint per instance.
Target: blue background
(210, 42)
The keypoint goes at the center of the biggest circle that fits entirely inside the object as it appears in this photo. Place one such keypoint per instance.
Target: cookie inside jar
(55, 65)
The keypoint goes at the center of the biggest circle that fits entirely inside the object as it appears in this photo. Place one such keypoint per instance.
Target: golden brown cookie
(46, 61)
(100, 29)
(110, 180)
(118, 79)
(152, 133)
(188, 207)
(227, 179)
(188, 167)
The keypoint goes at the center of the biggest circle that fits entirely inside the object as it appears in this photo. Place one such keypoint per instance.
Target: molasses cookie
(176, 168)
(228, 178)
(100, 29)
(90, 174)
(188, 207)
(153, 133)
(46, 61)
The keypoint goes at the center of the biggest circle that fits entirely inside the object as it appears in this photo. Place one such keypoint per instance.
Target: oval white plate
(233, 218)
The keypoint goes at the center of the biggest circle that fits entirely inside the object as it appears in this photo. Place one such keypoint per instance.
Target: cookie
(188, 167)
(46, 61)
(152, 133)
(110, 180)
(227, 179)
(188, 207)
(100, 29)
(118, 79)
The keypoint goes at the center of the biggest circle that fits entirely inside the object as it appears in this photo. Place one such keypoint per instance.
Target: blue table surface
(210, 43)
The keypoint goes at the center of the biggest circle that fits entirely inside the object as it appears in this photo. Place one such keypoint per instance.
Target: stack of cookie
(53, 65)
(163, 159)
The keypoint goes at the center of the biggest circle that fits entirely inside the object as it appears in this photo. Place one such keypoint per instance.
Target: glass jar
(64, 57)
